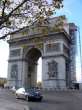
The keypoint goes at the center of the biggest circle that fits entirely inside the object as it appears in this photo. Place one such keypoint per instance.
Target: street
(58, 100)
(9, 102)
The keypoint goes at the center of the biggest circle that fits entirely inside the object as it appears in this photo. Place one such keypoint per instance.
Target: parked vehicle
(21, 93)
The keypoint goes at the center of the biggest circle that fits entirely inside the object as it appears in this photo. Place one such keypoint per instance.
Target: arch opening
(33, 74)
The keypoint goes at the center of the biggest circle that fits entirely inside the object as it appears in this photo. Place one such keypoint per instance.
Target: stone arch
(54, 46)
(29, 48)
(32, 57)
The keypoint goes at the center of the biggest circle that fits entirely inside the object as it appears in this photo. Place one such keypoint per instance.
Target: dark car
(34, 95)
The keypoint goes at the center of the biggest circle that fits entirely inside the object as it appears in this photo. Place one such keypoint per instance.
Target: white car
(21, 93)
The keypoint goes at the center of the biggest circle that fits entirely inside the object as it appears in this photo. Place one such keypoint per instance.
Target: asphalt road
(60, 100)
(9, 102)
(70, 100)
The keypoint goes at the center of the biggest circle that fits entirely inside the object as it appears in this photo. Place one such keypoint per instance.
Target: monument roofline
(40, 35)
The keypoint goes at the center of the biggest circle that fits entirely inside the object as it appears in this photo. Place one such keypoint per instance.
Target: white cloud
(4, 51)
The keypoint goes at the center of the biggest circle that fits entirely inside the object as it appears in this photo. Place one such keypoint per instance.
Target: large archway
(32, 57)
(56, 51)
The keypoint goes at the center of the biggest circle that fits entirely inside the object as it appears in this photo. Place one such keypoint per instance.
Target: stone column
(56, 81)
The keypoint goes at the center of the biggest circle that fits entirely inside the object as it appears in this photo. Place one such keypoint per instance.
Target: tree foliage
(2, 82)
(19, 14)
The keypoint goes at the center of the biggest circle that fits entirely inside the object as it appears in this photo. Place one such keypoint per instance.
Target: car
(34, 95)
(21, 93)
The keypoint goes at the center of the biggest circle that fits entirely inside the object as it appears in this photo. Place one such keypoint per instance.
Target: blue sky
(72, 9)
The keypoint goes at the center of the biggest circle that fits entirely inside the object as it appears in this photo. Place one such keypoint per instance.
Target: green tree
(16, 15)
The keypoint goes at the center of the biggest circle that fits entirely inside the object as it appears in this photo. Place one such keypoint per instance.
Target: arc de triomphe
(28, 45)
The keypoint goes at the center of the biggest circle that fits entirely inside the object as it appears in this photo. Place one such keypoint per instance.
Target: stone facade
(25, 50)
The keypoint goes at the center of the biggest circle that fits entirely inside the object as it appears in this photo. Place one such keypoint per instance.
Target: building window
(52, 69)
(15, 52)
(53, 47)
(14, 71)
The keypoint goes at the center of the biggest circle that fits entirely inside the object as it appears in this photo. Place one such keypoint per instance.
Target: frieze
(52, 69)
(14, 71)
(53, 47)
(15, 52)
(37, 45)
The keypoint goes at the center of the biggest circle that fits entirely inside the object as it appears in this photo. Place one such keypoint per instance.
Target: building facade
(55, 47)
